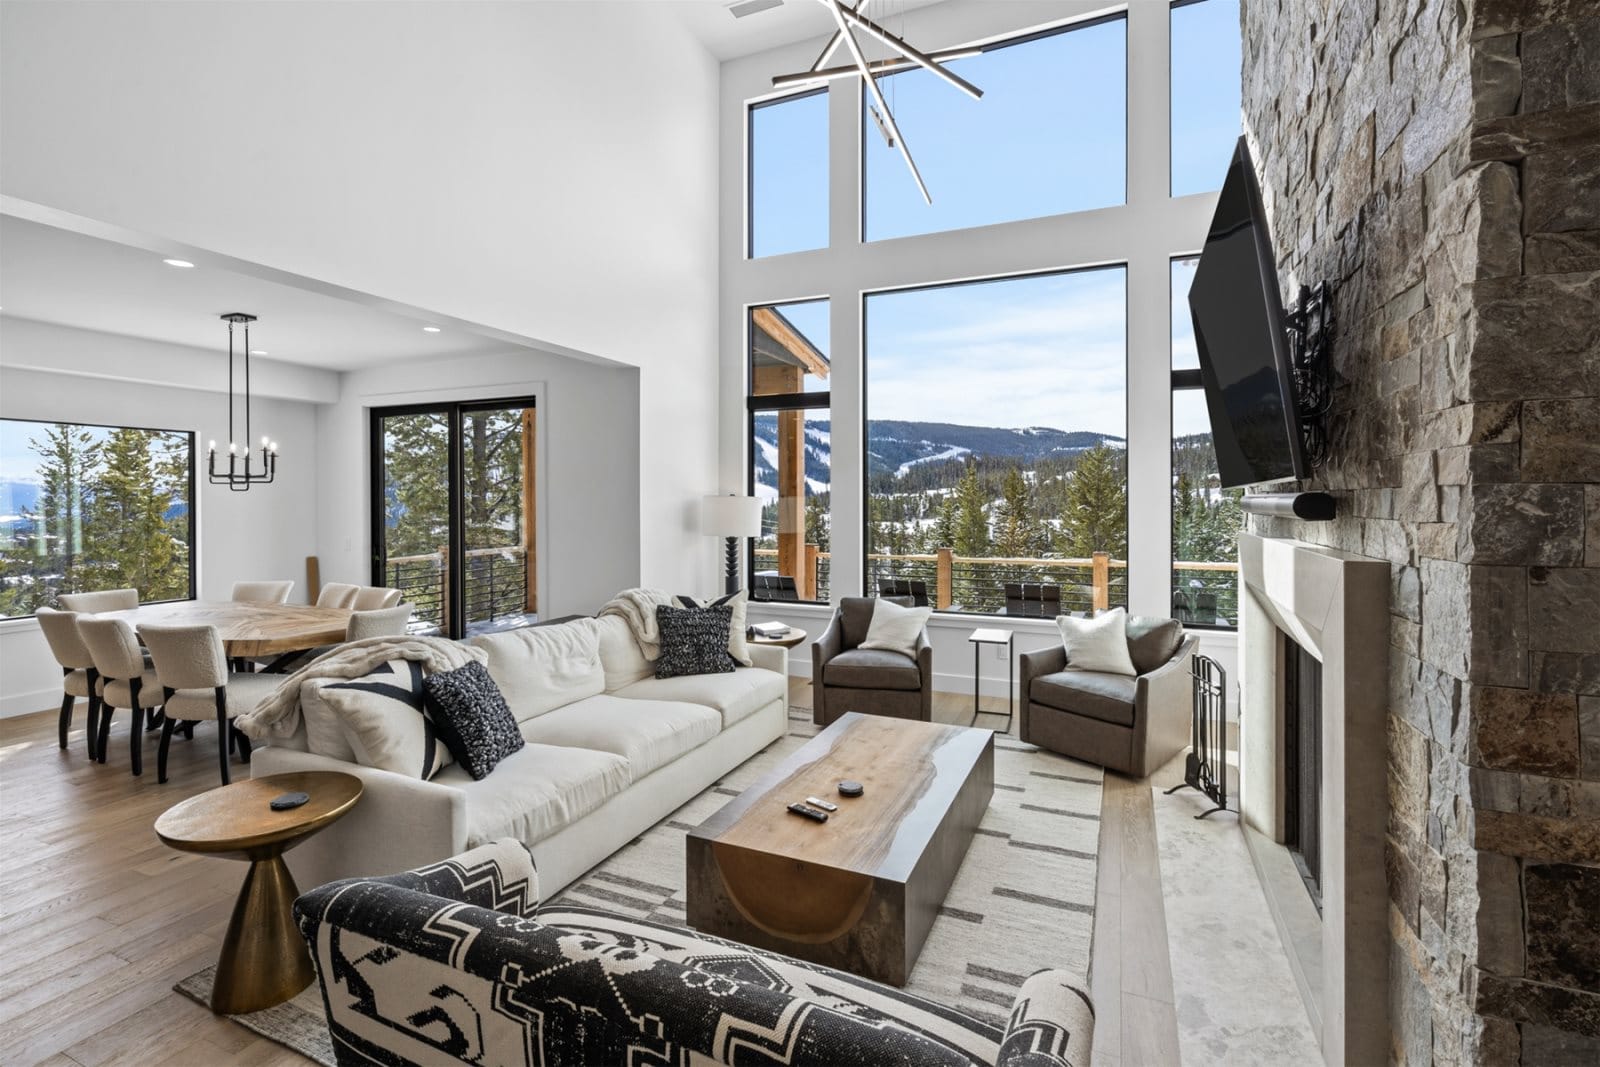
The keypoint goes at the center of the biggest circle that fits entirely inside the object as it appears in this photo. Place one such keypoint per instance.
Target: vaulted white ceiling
(727, 37)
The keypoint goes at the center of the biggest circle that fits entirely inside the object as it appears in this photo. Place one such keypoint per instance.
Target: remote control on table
(808, 812)
(823, 804)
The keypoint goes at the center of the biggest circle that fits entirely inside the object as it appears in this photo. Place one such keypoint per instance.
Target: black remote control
(808, 812)
(288, 801)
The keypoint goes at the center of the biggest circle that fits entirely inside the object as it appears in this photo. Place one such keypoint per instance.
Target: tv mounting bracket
(1310, 326)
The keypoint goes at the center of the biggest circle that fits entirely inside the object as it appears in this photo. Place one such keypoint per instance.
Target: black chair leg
(136, 738)
(243, 742)
(161, 753)
(188, 729)
(223, 729)
(100, 746)
(67, 701)
(91, 733)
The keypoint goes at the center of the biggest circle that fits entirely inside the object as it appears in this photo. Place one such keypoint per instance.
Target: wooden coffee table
(859, 891)
(264, 959)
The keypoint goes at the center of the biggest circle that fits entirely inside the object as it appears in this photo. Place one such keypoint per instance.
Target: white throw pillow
(1097, 644)
(324, 725)
(739, 603)
(894, 628)
(385, 722)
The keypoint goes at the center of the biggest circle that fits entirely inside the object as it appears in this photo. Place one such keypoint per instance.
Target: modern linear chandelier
(241, 473)
(847, 20)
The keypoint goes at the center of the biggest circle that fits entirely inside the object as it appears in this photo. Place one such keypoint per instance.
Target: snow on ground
(949, 453)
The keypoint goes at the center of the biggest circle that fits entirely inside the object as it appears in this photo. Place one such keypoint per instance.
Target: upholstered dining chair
(125, 682)
(197, 687)
(373, 597)
(380, 622)
(337, 595)
(79, 677)
(262, 592)
(100, 600)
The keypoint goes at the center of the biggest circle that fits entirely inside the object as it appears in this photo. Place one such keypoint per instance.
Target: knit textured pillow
(693, 641)
(472, 717)
(739, 603)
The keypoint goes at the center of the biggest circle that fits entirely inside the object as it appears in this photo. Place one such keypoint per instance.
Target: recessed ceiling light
(258, 351)
(430, 329)
(184, 263)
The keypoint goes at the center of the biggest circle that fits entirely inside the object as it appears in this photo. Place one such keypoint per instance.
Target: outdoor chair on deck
(912, 588)
(773, 587)
(1033, 599)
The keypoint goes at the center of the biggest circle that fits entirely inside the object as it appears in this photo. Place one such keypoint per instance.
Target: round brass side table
(264, 960)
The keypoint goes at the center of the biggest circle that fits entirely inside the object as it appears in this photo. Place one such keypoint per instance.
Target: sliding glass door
(453, 513)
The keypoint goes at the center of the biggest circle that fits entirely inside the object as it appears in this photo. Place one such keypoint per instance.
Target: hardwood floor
(98, 919)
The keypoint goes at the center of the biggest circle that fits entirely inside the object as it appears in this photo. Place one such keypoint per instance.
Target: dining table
(248, 629)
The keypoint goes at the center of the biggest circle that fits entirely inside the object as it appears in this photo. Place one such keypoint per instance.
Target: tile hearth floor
(98, 919)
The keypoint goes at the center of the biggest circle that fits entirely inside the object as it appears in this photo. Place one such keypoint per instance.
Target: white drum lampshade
(732, 517)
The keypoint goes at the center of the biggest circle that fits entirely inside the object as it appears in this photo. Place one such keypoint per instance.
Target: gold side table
(793, 638)
(264, 960)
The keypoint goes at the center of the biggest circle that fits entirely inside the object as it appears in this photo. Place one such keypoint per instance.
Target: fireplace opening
(1302, 757)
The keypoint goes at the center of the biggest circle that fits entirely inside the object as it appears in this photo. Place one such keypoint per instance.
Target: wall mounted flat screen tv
(1245, 362)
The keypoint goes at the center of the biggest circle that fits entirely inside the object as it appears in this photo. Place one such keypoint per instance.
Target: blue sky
(1047, 137)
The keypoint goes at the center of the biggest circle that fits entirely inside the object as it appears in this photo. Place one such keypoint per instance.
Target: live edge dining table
(248, 629)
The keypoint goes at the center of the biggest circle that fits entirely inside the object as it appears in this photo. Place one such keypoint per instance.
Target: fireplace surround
(1335, 606)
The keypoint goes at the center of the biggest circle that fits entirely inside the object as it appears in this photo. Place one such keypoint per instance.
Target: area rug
(300, 1024)
(1022, 901)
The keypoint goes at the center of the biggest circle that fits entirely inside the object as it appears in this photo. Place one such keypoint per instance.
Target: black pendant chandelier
(241, 473)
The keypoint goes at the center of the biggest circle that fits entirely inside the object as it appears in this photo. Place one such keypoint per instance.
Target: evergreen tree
(818, 521)
(944, 526)
(46, 553)
(130, 538)
(1016, 531)
(1095, 509)
(971, 524)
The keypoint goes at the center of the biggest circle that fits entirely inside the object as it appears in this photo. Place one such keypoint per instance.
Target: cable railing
(495, 584)
(1203, 592)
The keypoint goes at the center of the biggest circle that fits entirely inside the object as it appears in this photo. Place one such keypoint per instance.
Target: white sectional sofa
(611, 750)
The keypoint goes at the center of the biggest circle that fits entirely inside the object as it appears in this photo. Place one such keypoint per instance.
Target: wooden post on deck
(530, 513)
(1102, 581)
(944, 579)
(808, 584)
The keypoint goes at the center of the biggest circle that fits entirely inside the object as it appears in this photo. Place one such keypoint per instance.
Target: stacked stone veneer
(1439, 160)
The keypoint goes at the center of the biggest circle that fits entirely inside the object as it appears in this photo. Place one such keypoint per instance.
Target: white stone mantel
(1336, 606)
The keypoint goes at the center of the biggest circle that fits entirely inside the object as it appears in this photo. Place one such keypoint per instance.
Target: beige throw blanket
(279, 715)
(637, 607)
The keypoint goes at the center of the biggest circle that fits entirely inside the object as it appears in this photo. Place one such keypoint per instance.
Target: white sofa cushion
(536, 791)
(621, 658)
(648, 734)
(734, 696)
(540, 668)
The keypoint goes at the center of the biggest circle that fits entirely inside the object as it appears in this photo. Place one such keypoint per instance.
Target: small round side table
(794, 637)
(264, 960)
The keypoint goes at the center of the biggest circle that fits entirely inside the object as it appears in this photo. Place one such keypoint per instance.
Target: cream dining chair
(101, 600)
(79, 677)
(373, 597)
(337, 595)
(197, 687)
(262, 592)
(125, 682)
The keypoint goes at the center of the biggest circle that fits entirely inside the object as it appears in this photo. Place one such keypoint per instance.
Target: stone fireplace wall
(1439, 160)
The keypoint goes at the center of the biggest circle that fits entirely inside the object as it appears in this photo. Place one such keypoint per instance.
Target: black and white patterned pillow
(693, 641)
(382, 716)
(472, 717)
(738, 603)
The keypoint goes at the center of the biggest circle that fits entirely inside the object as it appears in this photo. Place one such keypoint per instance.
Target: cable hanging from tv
(1310, 327)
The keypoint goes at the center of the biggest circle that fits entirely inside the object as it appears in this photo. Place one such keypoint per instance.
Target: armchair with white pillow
(874, 658)
(1116, 691)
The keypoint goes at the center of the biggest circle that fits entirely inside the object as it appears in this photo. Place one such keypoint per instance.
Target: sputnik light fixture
(241, 473)
(846, 20)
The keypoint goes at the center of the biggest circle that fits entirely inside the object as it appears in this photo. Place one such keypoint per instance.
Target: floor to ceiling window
(791, 460)
(454, 515)
(996, 440)
(1204, 92)
(788, 175)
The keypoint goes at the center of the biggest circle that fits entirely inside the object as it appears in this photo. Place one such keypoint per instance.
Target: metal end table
(978, 639)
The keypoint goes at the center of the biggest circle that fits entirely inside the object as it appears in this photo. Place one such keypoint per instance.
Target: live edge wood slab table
(860, 891)
(249, 629)
(264, 960)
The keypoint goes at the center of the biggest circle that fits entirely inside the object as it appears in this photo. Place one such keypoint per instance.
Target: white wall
(264, 533)
(1144, 234)
(588, 475)
(548, 169)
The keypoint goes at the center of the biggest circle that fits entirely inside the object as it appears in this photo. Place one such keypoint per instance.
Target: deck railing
(495, 583)
(1205, 592)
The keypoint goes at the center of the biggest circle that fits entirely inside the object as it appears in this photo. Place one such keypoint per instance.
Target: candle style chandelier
(241, 473)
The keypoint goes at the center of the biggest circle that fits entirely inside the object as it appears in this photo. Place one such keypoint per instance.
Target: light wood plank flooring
(98, 919)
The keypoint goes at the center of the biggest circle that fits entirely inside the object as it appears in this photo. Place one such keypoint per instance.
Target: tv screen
(1239, 331)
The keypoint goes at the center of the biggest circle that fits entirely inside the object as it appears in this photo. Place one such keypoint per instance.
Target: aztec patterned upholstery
(455, 963)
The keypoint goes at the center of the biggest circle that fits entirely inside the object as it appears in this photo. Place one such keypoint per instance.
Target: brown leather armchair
(1128, 724)
(871, 681)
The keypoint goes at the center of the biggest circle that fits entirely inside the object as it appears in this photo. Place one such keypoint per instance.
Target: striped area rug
(1022, 901)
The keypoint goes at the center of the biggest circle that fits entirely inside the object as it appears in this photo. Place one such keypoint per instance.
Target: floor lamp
(732, 517)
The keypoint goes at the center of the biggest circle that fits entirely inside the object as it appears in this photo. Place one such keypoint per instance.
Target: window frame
(749, 212)
(867, 587)
(777, 402)
(983, 47)
(1172, 193)
(192, 483)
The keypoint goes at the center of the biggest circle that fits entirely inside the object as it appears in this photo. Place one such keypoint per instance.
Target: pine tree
(1095, 509)
(944, 525)
(129, 538)
(971, 524)
(68, 456)
(1016, 531)
(817, 521)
